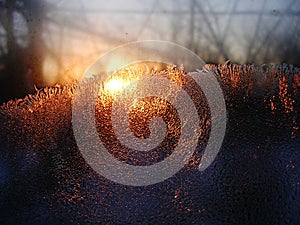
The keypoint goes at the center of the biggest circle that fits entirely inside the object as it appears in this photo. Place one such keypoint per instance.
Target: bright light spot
(125, 77)
(115, 85)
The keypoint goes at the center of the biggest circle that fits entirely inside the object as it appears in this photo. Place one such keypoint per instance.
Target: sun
(125, 78)
(115, 85)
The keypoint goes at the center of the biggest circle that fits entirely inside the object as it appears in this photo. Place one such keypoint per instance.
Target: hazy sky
(85, 29)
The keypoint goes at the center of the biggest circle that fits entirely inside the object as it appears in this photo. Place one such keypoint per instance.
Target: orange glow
(115, 85)
(126, 77)
(123, 77)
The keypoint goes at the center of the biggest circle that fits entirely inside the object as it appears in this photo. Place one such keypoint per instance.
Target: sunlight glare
(115, 85)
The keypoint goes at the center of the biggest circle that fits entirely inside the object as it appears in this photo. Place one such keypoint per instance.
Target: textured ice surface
(254, 179)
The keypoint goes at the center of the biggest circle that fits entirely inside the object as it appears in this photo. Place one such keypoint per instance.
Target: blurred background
(44, 42)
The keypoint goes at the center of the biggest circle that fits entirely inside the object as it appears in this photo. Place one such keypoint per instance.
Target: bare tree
(21, 63)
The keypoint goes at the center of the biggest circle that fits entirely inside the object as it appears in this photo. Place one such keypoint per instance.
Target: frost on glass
(253, 180)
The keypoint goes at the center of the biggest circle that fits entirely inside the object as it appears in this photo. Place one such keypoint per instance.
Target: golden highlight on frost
(277, 85)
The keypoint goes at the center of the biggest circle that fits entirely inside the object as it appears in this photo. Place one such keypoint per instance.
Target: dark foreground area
(255, 178)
